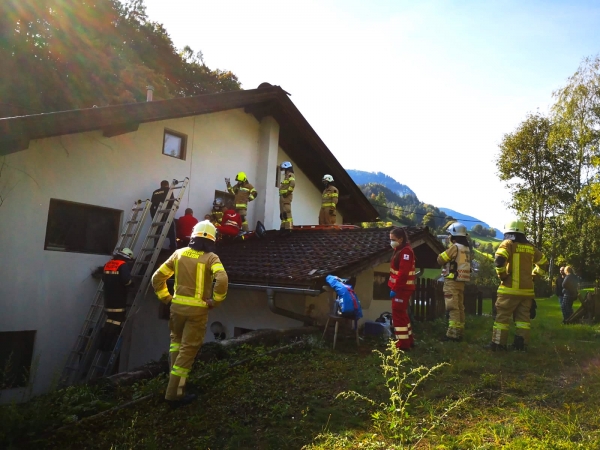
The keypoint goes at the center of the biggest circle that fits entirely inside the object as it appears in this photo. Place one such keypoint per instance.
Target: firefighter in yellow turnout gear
(329, 200)
(457, 270)
(286, 189)
(195, 267)
(244, 192)
(517, 261)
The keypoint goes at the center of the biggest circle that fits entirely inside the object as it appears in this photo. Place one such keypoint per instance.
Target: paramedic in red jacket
(185, 225)
(231, 224)
(402, 285)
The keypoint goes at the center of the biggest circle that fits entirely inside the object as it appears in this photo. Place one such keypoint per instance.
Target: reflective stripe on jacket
(287, 185)
(330, 197)
(462, 256)
(244, 193)
(194, 272)
(521, 260)
(402, 270)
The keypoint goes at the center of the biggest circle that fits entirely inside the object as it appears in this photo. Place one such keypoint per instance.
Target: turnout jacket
(516, 264)
(244, 193)
(402, 270)
(116, 277)
(286, 187)
(330, 197)
(194, 273)
(461, 255)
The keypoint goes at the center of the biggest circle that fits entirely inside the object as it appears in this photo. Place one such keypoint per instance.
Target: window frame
(21, 375)
(117, 217)
(183, 148)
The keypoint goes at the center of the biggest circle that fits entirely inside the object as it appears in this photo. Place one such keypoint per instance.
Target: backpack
(347, 303)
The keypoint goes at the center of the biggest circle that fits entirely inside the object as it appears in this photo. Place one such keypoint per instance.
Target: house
(68, 179)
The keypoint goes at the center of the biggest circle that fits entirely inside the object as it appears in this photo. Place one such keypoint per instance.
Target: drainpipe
(271, 290)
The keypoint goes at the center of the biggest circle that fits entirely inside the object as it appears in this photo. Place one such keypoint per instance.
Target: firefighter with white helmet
(517, 261)
(457, 271)
(216, 215)
(244, 192)
(286, 190)
(116, 277)
(195, 268)
(329, 200)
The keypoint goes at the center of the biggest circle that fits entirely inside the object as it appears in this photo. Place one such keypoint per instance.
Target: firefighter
(402, 285)
(116, 277)
(195, 267)
(244, 192)
(159, 196)
(327, 215)
(216, 215)
(286, 189)
(457, 271)
(517, 261)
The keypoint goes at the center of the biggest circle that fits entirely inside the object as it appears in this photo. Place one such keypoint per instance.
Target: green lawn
(545, 398)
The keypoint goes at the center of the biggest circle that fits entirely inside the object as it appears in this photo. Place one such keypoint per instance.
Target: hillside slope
(470, 221)
(362, 177)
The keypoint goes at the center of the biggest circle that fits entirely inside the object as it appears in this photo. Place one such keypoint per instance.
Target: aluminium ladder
(143, 268)
(76, 360)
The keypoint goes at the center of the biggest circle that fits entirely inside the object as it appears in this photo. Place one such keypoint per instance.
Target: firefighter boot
(495, 347)
(519, 344)
(185, 400)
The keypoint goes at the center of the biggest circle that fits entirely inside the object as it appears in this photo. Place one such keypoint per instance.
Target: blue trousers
(566, 306)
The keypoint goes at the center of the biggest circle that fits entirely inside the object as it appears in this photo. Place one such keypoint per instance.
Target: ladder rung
(137, 209)
(153, 235)
(128, 234)
(133, 221)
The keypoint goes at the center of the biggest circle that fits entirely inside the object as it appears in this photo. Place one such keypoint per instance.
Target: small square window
(174, 144)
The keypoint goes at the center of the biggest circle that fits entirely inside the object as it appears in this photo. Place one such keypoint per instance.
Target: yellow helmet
(515, 226)
(241, 177)
(204, 229)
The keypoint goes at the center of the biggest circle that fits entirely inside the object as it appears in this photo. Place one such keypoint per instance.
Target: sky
(422, 91)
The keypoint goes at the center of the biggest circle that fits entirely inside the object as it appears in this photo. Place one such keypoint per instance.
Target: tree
(534, 171)
(477, 229)
(428, 220)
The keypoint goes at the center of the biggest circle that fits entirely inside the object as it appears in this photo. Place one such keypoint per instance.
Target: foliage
(480, 230)
(394, 420)
(80, 53)
(486, 271)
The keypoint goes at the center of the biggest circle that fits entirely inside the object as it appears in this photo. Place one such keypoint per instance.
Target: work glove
(227, 181)
(392, 294)
(211, 303)
(332, 212)
(167, 300)
(532, 310)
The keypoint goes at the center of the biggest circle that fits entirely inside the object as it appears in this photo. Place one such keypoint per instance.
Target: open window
(81, 228)
(174, 144)
(16, 353)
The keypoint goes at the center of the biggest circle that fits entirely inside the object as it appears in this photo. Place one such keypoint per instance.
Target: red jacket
(402, 270)
(231, 223)
(185, 225)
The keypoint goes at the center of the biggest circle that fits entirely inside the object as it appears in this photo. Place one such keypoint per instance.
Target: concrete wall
(51, 291)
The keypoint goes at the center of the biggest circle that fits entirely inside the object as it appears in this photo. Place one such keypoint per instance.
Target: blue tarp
(348, 304)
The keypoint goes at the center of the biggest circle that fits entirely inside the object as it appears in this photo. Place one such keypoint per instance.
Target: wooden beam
(13, 146)
(115, 130)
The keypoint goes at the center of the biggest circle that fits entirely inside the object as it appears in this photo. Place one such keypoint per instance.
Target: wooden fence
(428, 300)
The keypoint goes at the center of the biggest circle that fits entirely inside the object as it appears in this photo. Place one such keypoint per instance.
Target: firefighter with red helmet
(195, 268)
(457, 271)
(402, 285)
(244, 192)
(286, 189)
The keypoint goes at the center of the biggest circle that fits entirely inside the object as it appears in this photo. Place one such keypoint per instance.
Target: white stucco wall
(51, 291)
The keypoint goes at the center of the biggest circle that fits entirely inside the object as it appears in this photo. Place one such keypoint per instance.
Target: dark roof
(305, 257)
(296, 137)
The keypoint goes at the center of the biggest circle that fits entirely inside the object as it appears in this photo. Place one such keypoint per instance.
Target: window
(16, 353)
(81, 228)
(174, 144)
(381, 291)
(228, 199)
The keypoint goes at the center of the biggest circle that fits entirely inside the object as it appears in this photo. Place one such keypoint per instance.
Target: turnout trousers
(454, 297)
(187, 334)
(327, 216)
(507, 308)
(401, 321)
(243, 212)
(285, 213)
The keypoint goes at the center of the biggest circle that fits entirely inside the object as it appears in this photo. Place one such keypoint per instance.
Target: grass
(546, 398)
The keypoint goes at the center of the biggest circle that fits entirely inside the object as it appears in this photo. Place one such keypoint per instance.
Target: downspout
(271, 290)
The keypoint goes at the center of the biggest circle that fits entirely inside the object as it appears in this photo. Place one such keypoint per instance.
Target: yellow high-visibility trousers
(512, 307)
(454, 297)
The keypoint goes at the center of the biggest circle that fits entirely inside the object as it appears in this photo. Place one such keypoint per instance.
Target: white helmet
(125, 253)
(204, 229)
(286, 165)
(327, 178)
(457, 229)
